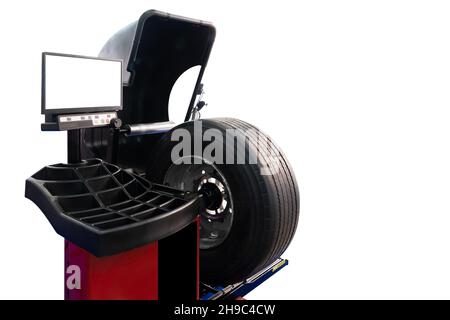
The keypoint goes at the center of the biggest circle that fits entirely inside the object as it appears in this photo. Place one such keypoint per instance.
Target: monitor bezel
(77, 110)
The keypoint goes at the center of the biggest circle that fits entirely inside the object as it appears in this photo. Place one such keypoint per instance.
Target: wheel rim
(208, 180)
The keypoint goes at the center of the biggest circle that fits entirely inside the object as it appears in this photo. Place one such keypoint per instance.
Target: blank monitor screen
(80, 84)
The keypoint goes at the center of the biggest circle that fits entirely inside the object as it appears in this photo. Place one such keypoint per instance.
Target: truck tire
(252, 209)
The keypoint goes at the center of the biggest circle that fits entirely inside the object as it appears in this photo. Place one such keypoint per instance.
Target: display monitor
(77, 84)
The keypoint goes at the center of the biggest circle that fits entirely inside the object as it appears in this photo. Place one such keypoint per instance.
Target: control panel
(78, 121)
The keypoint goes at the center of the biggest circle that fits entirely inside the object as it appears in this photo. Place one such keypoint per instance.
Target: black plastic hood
(156, 50)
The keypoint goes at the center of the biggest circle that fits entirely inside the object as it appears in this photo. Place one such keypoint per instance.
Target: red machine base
(149, 272)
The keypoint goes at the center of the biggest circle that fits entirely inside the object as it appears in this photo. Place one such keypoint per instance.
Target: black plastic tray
(105, 209)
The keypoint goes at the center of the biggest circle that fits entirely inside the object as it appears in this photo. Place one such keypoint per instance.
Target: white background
(355, 92)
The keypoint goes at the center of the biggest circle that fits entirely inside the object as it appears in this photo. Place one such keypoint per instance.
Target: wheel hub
(214, 194)
(206, 179)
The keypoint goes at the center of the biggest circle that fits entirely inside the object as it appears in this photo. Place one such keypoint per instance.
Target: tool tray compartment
(105, 209)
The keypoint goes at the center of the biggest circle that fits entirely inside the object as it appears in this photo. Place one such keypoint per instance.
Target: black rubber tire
(266, 207)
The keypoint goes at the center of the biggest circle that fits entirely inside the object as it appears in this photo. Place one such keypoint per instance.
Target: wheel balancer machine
(127, 237)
